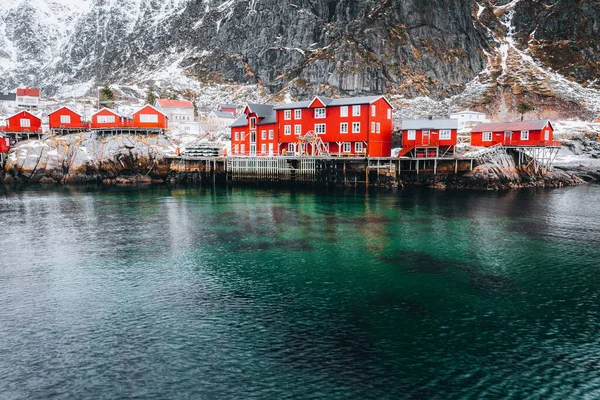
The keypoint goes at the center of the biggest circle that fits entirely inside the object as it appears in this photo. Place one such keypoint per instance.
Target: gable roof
(28, 92)
(65, 108)
(168, 103)
(419, 124)
(269, 119)
(289, 106)
(110, 111)
(152, 107)
(261, 110)
(349, 101)
(223, 114)
(242, 121)
(227, 106)
(24, 112)
(8, 96)
(511, 126)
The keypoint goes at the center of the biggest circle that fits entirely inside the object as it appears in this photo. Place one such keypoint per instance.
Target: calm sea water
(236, 294)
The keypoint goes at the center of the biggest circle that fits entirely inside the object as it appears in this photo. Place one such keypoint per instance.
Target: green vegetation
(524, 107)
(107, 96)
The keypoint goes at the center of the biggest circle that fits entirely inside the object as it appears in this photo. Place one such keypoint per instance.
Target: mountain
(488, 54)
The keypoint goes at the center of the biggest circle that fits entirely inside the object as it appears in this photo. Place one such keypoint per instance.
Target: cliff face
(303, 47)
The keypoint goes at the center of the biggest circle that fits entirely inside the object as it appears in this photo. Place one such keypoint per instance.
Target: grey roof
(468, 112)
(8, 96)
(289, 106)
(269, 119)
(240, 122)
(224, 114)
(512, 126)
(418, 124)
(353, 101)
(261, 110)
(227, 106)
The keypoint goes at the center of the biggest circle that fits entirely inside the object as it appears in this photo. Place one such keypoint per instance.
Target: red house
(428, 137)
(65, 120)
(4, 144)
(227, 108)
(109, 120)
(23, 123)
(358, 126)
(526, 133)
(255, 132)
(149, 118)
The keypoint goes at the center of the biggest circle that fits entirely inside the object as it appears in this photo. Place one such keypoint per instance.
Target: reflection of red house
(107, 119)
(4, 144)
(23, 122)
(150, 118)
(428, 137)
(66, 120)
(526, 133)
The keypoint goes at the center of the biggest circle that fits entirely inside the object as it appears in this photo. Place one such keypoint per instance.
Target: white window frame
(344, 111)
(263, 134)
(149, 118)
(65, 119)
(291, 148)
(320, 113)
(356, 127)
(236, 149)
(236, 135)
(297, 130)
(25, 123)
(343, 128)
(287, 130)
(546, 135)
(243, 149)
(271, 134)
(298, 114)
(486, 136)
(445, 134)
(346, 147)
(358, 147)
(320, 129)
(106, 119)
(263, 148)
(411, 134)
(524, 135)
(373, 111)
(378, 128)
(372, 127)
(389, 113)
(356, 111)
(287, 115)
(253, 123)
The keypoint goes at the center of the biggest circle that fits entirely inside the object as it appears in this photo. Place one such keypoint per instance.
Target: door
(270, 149)
(425, 138)
(507, 137)
(252, 149)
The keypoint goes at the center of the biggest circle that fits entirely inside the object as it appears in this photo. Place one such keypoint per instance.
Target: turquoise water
(236, 294)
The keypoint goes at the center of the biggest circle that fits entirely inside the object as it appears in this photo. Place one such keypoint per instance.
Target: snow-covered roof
(418, 124)
(65, 108)
(511, 126)
(24, 113)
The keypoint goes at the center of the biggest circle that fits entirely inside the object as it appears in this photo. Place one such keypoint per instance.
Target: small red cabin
(65, 119)
(526, 133)
(150, 118)
(4, 144)
(23, 122)
(428, 137)
(106, 119)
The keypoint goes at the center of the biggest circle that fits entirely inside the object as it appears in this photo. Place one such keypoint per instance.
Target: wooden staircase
(406, 150)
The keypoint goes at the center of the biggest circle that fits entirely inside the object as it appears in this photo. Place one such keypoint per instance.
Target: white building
(7, 102)
(469, 118)
(220, 119)
(28, 98)
(180, 114)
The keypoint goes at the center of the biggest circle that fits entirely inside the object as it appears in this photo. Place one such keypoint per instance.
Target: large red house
(106, 119)
(526, 133)
(65, 120)
(428, 137)
(358, 126)
(149, 118)
(23, 122)
(255, 132)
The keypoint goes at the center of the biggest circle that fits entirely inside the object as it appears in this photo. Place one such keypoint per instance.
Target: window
(320, 113)
(148, 118)
(243, 148)
(106, 119)
(356, 111)
(252, 123)
(445, 134)
(344, 127)
(487, 136)
(287, 115)
(373, 111)
(390, 114)
(298, 130)
(271, 134)
(356, 127)
(344, 111)
(263, 148)
(378, 128)
(252, 137)
(346, 147)
(291, 147)
(358, 147)
(287, 130)
(65, 119)
(546, 135)
(263, 135)
(236, 149)
(524, 135)
(319, 129)
(297, 114)
(372, 127)
(237, 136)
(25, 123)
(412, 135)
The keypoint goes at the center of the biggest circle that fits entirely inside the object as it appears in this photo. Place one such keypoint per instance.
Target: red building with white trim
(22, 124)
(255, 132)
(65, 120)
(518, 134)
(109, 120)
(150, 119)
(428, 137)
